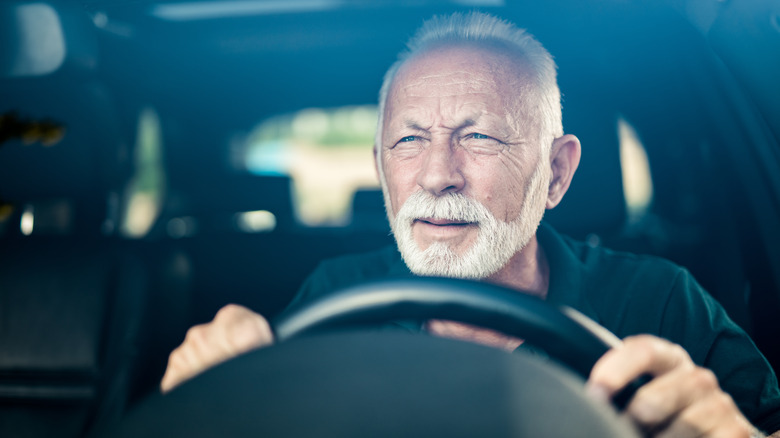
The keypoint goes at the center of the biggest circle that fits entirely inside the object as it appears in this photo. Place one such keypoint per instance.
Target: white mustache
(452, 206)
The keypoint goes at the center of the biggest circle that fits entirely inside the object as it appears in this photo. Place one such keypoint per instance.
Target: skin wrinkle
(511, 161)
(508, 175)
(481, 114)
(458, 132)
(468, 85)
(537, 84)
(516, 90)
(469, 119)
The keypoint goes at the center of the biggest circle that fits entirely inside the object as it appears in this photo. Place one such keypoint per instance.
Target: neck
(527, 271)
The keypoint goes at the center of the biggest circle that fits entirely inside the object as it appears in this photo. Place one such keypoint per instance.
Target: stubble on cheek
(393, 178)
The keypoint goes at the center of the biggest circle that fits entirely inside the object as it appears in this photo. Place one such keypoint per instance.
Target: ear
(564, 159)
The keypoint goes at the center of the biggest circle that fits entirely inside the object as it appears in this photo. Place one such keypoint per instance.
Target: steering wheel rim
(564, 334)
(357, 383)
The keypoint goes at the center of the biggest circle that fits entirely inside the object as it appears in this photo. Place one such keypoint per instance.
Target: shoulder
(628, 293)
(632, 294)
(639, 293)
(614, 270)
(582, 271)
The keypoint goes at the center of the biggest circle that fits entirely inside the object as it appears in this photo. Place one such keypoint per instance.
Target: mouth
(444, 222)
(427, 230)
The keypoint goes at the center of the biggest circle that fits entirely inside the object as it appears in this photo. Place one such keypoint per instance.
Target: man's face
(465, 175)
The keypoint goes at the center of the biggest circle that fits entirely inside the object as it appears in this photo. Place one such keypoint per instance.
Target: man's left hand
(682, 399)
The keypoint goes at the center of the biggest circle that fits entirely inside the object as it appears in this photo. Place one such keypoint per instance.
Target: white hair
(481, 28)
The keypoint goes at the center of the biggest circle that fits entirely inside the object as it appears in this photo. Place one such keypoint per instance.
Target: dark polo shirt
(626, 293)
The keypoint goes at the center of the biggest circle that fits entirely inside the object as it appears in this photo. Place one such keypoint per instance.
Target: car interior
(162, 158)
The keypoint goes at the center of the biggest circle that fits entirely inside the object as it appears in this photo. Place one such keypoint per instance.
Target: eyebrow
(413, 125)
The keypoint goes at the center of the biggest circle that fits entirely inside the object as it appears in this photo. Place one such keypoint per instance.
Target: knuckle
(196, 334)
(724, 403)
(721, 406)
(679, 352)
(704, 378)
(643, 352)
(253, 319)
(733, 430)
(248, 333)
(229, 312)
(177, 360)
(642, 343)
(174, 357)
(647, 408)
(604, 371)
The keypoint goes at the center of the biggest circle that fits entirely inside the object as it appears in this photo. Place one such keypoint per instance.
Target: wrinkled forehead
(456, 81)
(491, 78)
(466, 67)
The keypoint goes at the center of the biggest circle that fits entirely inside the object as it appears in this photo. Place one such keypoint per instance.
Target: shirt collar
(568, 278)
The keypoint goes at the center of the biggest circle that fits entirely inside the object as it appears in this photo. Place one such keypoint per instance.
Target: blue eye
(408, 139)
(479, 136)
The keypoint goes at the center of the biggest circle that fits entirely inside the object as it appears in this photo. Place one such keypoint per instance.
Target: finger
(244, 330)
(636, 356)
(189, 359)
(205, 343)
(449, 329)
(233, 331)
(169, 380)
(660, 401)
(716, 416)
(467, 332)
(178, 370)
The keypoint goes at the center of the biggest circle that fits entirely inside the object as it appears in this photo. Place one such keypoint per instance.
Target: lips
(443, 222)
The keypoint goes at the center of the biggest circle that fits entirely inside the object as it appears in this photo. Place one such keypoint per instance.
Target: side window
(637, 181)
(144, 193)
(326, 152)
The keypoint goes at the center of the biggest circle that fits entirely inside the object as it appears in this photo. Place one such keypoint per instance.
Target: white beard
(496, 242)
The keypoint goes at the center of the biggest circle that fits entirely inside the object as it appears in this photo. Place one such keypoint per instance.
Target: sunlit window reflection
(145, 190)
(637, 182)
(327, 152)
(28, 220)
(256, 221)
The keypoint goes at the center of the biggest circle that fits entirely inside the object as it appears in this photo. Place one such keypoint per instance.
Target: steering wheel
(564, 333)
(394, 383)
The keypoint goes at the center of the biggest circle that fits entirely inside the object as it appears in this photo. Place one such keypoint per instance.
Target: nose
(440, 172)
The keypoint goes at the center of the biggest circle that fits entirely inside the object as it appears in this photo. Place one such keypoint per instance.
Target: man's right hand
(233, 331)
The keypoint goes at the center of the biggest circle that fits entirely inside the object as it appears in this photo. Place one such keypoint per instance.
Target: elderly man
(470, 152)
